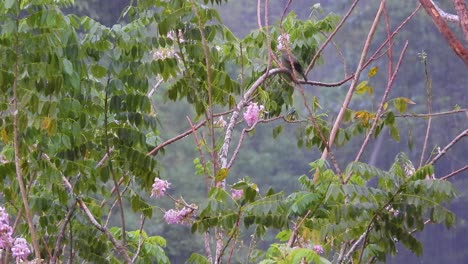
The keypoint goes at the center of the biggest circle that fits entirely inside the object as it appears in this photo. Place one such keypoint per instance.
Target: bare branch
(449, 145)
(140, 240)
(330, 37)
(434, 114)
(443, 28)
(235, 115)
(353, 85)
(174, 139)
(462, 12)
(445, 15)
(61, 234)
(121, 249)
(453, 173)
(381, 106)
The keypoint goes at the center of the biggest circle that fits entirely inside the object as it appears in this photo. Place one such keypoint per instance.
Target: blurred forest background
(262, 157)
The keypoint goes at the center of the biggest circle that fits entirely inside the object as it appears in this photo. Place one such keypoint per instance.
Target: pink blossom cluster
(175, 217)
(6, 231)
(252, 113)
(236, 194)
(20, 249)
(318, 249)
(159, 188)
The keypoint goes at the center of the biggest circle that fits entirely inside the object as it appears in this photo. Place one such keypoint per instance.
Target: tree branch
(381, 106)
(353, 85)
(453, 173)
(449, 145)
(443, 28)
(462, 12)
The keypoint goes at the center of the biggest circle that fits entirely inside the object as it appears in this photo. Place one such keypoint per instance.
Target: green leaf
(196, 258)
(221, 174)
(67, 66)
(98, 71)
(401, 103)
(9, 3)
(395, 133)
(277, 130)
(284, 235)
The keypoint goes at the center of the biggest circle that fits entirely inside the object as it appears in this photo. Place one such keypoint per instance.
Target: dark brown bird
(288, 60)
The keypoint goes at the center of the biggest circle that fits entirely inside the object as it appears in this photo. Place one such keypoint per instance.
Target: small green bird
(286, 58)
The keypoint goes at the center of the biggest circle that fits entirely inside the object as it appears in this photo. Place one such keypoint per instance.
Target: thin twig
(353, 85)
(209, 84)
(110, 164)
(236, 227)
(293, 236)
(449, 145)
(61, 234)
(202, 157)
(381, 106)
(434, 114)
(330, 37)
(239, 143)
(176, 138)
(453, 173)
(184, 134)
(335, 84)
(429, 109)
(121, 249)
(140, 240)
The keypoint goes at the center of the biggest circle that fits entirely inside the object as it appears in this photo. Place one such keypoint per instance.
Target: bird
(286, 58)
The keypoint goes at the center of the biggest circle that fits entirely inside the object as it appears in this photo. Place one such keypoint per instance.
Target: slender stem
(435, 114)
(454, 173)
(236, 227)
(353, 85)
(61, 234)
(202, 157)
(111, 170)
(449, 145)
(330, 37)
(16, 146)
(429, 109)
(381, 106)
(209, 86)
(121, 249)
(140, 240)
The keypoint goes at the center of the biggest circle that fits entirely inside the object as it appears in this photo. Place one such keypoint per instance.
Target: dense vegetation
(171, 132)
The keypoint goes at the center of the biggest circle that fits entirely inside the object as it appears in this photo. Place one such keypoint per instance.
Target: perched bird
(288, 60)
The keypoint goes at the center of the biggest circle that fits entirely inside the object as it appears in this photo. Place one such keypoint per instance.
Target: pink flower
(175, 217)
(283, 41)
(318, 249)
(236, 194)
(159, 188)
(252, 113)
(6, 231)
(20, 249)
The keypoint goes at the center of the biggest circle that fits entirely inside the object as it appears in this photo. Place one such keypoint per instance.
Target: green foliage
(85, 119)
